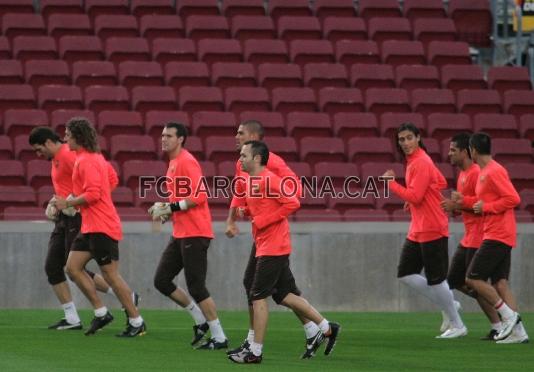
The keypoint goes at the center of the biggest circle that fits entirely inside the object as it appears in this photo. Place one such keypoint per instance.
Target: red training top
(62, 165)
(474, 224)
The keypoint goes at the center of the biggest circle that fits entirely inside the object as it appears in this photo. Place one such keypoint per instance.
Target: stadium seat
(80, 48)
(526, 126)
(292, 28)
(99, 98)
(363, 150)
(315, 149)
(522, 175)
(16, 6)
(232, 74)
(11, 72)
(415, 9)
(156, 120)
(5, 49)
(6, 148)
(448, 172)
(369, 215)
(140, 8)
(60, 25)
(417, 77)
(378, 8)
(212, 123)
(207, 27)
(381, 100)
(311, 51)
(132, 147)
(208, 171)
(181, 74)
(335, 100)
(345, 28)
(16, 97)
(375, 170)
(252, 27)
(59, 118)
(34, 47)
(24, 214)
(258, 51)
(503, 78)
(321, 215)
(392, 203)
(458, 77)
(104, 149)
(294, 8)
(239, 99)
(337, 173)
(286, 147)
(12, 173)
(350, 52)
(523, 216)
(220, 149)
(38, 173)
(428, 101)
(216, 50)
(276, 75)
(347, 125)
(519, 102)
(474, 101)
(152, 26)
(142, 203)
(22, 149)
(119, 49)
(400, 52)
(442, 53)
(55, 97)
(310, 203)
(365, 76)
(527, 200)
(95, 8)
(186, 8)
(195, 147)
(23, 24)
(442, 126)
(201, 99)
(86, 73)
(301, 169)
(511, 150)
(122, 197)
(233, 8)
(107, 26)
(20, 121)
(173, 50)
(345, 203)
(433, 149)
(321, 75)
(50, 7)
(133, 169)
(273, 122)
(427, 30)
(334, 8)
(382, 29)
(391, 121)
(285, 100)
(308, 124)
(496, 125)
(133, 73)
(473, 20)
(153, 98)
(46, 73)
(226, 169)
(111, 123)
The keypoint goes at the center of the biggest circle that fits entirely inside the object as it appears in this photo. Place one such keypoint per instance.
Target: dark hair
(481, 142)
(39, 135)
(462, 142)
(412, 128)
(254, 126)
(84, 133)
(181, 129)
(259, 148)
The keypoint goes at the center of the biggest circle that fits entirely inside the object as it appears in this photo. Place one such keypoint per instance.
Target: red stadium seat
(153, 98)
(522, 175)
(309, 203)
(391, 121)
(129, 147)
(38, 173)
(142, 7)
(216, 50)
(286, 100)
(24, 214)
(212, 123)
(152, 26)
(201, 99)
(133, 169)
(186, 8)
(428, 101)
(427, 30)
(369, 215)
(381, 100)
(298, 28)
(6, 148)
(233, 8)
(378, 8)
(99, 98)
(301, 169)
(334, 100)
(382, 29)
(503, 78)
(303, 52)
(336, 28)
(433, 149)
(181, 74)
(207, 27)
(23, 24)
(375, 170)
(414, 9)
(11, 72)
(458, 77)
(132, 74)
(511, 150)
(273, 122)
(417, 77)
(23, 151)
(286, 147)
(448, 172)
(60, 25)
(400, 215)
(252, 27)
(399, 52)
(350, 52)
(55, 97)
(156, 120)
(107, 26)
(60, 117)
(321, 215)
(97, 7)
(86, 73)
(173, 50)
(363, 150)
(321, 75)
(34, 47)
(258, 51)
(119, 49)
(496, 125)
(275, 75)
(527, 200)
(519, 102)
(50, 7)
(22, 121)
(473, 20)
(80, 48)
(392, 203)
(239, 99)
(334, 8)
(231, 74)
(294, 8)
(12, 173)
(335, 173)
(526, 126)
(348, 125)
(47, 72)
(314, 150)
(442, 126)
(5, 49)
(122, 197)
(16, 97)
(194, 146)
(442, 53)
(16, 6)
(474, 101)
(365, 76)
(345, 203)
(308, 124)
(219, 149)
(111, 123)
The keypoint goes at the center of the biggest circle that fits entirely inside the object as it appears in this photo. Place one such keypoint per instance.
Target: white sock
(324, 326)
(496, 326)
(216, 330)
(256, 348)
(110, 291)
(443, 295)
(136, 322)
(71, 315)
(196, 313)
(503, 309)
(250, 336)
(419, 283)
(310, 329)
(100, 312)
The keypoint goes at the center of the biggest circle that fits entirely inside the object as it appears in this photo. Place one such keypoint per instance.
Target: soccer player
(495, 200)
(460, 156)
(268, 207)
(191, 237)
(427, 240)
(252, 130)
(100, 229)
(46, 143)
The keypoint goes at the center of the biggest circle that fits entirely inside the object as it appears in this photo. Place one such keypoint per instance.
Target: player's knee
(54, 274)
(164, 285)
(501, 285)
(199, 292)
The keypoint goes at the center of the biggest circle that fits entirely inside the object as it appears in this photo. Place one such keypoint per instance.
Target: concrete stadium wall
(340, 266)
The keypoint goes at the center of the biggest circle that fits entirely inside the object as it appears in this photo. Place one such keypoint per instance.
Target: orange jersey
(184, 178)
(474, 224)
(424, 183)
(62, 166)
(91, 180)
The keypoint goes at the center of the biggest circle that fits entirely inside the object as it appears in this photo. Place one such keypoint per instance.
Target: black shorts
(102, 248)
(248, 277)
(460, 262)
(433, 256)
(273, 277)
(492, 261)
(65, 231)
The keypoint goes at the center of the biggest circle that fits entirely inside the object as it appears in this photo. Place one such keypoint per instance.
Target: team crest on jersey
(482, 179)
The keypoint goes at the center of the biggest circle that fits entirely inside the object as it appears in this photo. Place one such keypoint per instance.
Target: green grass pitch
(368, 342)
